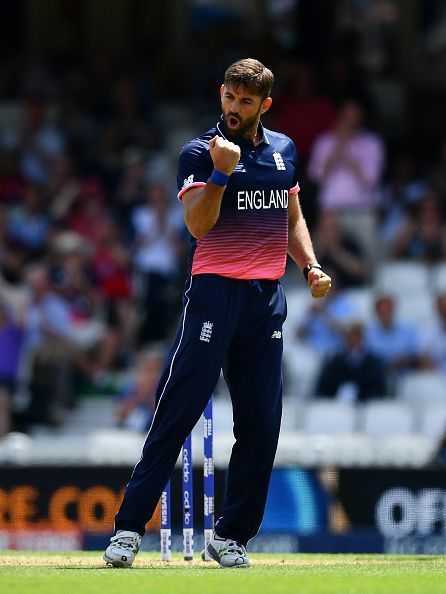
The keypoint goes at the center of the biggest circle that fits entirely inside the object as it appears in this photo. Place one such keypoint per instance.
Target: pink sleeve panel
(192, 185)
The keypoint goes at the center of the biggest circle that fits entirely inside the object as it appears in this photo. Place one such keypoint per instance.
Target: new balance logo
(206, 332)
(279, 161)
(189, 180)
(277, 334)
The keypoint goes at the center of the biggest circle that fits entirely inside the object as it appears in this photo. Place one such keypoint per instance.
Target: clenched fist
(319, 283)
(224, 154)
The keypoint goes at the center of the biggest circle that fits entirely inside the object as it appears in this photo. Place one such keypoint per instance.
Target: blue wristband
(218, 178)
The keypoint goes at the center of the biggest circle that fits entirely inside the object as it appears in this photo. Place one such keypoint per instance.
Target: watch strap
(308, 267)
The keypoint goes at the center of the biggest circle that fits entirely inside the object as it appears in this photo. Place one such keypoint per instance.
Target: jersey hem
(246, 278)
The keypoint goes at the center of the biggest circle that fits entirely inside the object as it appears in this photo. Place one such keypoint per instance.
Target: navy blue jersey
(250, 238)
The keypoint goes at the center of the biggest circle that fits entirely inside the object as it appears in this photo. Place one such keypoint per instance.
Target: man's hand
(319, 283)
(224, 154)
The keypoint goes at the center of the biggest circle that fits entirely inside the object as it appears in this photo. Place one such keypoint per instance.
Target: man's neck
(257, 137)
(254, 135)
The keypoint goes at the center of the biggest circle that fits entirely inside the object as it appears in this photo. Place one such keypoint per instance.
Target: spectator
(395, 342)
(11, 342)
(73, 278)
(433, 340)
(354, 373)
(63, 188)
(29, 224)
(157, 229)
(43, 142)
(303, 113)
(338, 252)
(137, 401)
(11, 182)
(403, 190)
(132, 188)
(347, 164)
(423, 236)
(89, 211)
(111, 270)
(51, 354)
(12, 290)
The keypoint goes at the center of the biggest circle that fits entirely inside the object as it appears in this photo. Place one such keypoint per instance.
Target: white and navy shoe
(123, 548)
(227, 552)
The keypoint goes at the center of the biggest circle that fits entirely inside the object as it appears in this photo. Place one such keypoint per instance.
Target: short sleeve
(194, 167)
(295, 187)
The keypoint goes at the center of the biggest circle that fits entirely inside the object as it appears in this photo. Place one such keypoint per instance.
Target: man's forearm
(202, 208)
(300, 246)
(202, 205)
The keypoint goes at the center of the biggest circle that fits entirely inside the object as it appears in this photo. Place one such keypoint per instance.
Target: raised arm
(202, 205)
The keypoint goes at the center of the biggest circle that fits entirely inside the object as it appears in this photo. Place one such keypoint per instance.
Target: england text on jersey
(256, 199)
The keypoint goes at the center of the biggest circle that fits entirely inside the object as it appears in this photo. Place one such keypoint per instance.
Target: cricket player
(239, 187)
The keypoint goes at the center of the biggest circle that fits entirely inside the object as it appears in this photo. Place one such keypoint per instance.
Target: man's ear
(222, 90)
(266, 104)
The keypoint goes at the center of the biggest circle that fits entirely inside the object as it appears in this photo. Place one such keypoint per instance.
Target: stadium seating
(386, 418)
(301, 366)
(321, 432)
(416, 308)
(438, 278)
(362, 301)
(433, 421)
(330, 417)
(402, 278)
(114, 446)
(423, 387)
(298, 301)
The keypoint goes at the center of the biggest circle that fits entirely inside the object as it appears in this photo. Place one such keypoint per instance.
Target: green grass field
(82, 573)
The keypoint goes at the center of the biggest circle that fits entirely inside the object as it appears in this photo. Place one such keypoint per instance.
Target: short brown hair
(252, 75)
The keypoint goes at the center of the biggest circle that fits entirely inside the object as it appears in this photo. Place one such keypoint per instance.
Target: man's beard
(245, 126)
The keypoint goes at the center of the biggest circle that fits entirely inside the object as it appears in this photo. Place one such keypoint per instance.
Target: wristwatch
(307, 269)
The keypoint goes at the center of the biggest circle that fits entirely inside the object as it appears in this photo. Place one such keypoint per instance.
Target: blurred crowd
(93, 247)
(364, 359)
(92, 242)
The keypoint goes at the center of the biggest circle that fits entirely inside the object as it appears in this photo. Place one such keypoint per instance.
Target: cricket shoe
(123, 548)
(227, 552)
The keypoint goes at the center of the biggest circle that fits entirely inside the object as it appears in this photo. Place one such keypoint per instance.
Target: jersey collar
(239, 139)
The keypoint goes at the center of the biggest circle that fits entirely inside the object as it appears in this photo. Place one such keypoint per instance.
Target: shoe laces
(126, 542)
(235, 547)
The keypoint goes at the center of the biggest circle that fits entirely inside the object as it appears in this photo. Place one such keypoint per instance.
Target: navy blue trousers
(235, 325)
